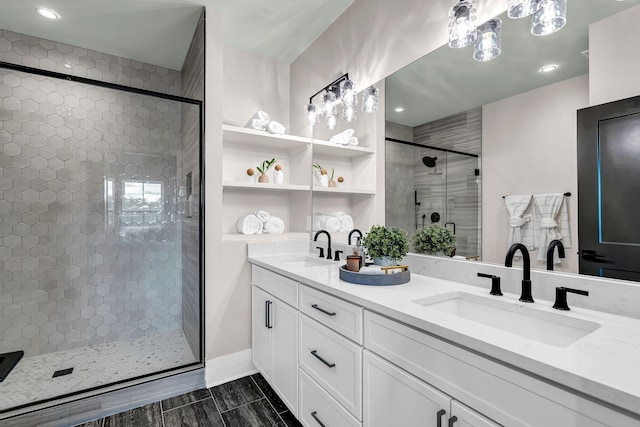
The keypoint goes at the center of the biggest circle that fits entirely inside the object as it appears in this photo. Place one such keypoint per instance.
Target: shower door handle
(267, 314)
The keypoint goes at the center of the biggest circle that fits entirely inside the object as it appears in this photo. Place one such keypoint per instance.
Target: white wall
(529, 145)
(253, 83)
(614, 57)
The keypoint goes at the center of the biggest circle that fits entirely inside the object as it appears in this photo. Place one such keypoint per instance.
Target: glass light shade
(551, 17)
(489, 41)
(349, 113)
(312, 114)
(331, 122)
(329, 104)
(462, 24)
(522, 8)
(348, 93)
(370, 99)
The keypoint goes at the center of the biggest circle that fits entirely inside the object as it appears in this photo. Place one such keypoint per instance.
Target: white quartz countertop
(605, 364)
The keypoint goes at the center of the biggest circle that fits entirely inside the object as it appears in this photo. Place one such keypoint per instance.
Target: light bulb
(488, 45)
(522, 8)
(462, 24)
(370, 99)
(312, 114)
(329, 103)
(348, 93)
(331, 122)
(551, 17)
(349, 113)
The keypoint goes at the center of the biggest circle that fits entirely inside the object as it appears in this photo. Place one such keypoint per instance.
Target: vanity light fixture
(462, 24)
(47, 13)
(341, 94)
(488, 44)
(551, 17)
(548, 68)
(517, 9)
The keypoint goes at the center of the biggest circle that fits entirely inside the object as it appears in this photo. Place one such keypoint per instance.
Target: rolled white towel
(319, 221)
(372, 270)
(346, 222)
(258, 121)
(332, 224)
(276, 128)
(274, 225)
(263, 216)
(342, 138)
(353, 141)
(249, 224)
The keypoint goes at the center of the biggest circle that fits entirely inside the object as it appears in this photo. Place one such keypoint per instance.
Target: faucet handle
(561, 297)
(337, 255)
(321, 251)
(495, 283)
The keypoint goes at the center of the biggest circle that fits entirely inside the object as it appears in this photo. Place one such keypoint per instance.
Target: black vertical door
(609, 189)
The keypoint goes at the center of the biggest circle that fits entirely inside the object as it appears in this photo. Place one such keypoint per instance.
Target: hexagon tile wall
(90, 231)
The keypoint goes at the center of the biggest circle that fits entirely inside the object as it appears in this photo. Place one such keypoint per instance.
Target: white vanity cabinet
(274, 339)
(394, 397)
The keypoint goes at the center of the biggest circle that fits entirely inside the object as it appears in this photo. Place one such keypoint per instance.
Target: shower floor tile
(31, 380)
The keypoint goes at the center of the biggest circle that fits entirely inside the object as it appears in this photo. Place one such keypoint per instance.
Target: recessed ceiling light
(48, 13)
(399, 109)
(548, 68)
(67, 65)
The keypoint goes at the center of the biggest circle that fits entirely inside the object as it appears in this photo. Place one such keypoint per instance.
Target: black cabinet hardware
(267, 310)
(315, 417)
(452, 420)
(322, 310)
(561, 297)
(495, 283)
(315, 354)
(321, 251)
(337, 255)
(439, 415)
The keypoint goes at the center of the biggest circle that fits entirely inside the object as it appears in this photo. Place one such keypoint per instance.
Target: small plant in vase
(263, 178)
(386, 245)
(434, 239)
(332, 183)
(322, 177)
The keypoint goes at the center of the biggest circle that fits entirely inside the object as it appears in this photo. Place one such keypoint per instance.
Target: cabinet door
(284, 362)
(462, 416)
(392, 397)
(261, 342)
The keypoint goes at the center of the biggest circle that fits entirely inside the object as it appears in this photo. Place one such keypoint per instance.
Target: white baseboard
(227, 368)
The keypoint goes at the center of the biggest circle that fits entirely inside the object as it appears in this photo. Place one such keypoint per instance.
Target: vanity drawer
(316, 406)
(505, 395)
(334, 362)
(277, 285)
(339, 315)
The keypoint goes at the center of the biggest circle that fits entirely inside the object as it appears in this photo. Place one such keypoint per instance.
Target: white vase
(384, 261)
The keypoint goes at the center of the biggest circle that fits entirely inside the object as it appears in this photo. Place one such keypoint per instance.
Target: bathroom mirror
(520, 122)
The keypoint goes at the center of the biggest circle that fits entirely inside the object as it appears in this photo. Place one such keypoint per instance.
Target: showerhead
(429, 162)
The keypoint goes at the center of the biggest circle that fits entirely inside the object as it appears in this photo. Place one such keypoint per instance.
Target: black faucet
(315, 238)
(525, 296)
(550, 250)
(355, 230)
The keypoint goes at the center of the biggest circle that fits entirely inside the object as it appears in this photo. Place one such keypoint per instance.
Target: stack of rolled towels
(261, 121)
(345, 138)
(260, 222)
(332, 222)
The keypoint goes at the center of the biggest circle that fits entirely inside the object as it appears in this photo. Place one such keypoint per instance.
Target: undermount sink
(525, 321)
(307, 262)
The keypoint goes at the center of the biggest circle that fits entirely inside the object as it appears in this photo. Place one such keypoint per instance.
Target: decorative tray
(387, 279)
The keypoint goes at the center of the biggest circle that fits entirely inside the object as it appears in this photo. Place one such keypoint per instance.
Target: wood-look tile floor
(245, 402)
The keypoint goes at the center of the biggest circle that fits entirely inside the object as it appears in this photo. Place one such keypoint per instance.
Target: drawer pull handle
(315, 354)
(267, 322)
(328, 313)
(452, 420)
(315, 417)
(439, 414)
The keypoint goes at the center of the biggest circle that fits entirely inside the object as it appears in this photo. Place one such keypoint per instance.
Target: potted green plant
(434, 240)
(263, 178)
(386, 245)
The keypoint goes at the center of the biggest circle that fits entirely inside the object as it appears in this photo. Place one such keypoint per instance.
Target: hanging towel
(342, 138)
(274, 225)
(263, 216)
(249, 224)
(258, 121)
(520, 221)
(547, 213)
(276, 128)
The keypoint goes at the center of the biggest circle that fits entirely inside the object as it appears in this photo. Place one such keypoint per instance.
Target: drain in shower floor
(62, 372)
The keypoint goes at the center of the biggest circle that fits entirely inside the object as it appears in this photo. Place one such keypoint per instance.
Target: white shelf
(264, 187)
(291, 235)
(329, 148)
(238, 135)
(347, 191)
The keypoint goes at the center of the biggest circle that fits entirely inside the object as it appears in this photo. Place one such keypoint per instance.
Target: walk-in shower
(99, 237)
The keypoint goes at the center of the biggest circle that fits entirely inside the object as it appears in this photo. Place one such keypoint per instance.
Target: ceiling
(160, 31)
(448, 81)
